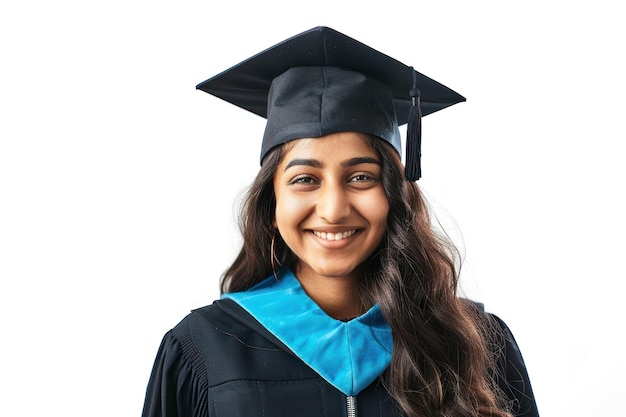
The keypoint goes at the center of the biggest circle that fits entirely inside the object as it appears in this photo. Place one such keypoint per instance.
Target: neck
(337, 296)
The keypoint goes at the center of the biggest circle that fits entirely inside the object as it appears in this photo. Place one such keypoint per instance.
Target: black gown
(220, 361)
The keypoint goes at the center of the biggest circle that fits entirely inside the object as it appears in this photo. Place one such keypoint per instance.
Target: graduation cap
(321, 81)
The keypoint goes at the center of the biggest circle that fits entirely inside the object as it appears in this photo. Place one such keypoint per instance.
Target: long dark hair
(441, 361)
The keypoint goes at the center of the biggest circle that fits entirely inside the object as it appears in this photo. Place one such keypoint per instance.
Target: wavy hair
(442, 363)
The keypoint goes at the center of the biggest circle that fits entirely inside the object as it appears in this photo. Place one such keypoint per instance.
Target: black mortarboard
(322, 81)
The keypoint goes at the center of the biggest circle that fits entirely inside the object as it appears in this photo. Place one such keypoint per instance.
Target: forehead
(333, 146)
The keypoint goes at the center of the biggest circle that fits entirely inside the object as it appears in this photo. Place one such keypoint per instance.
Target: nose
(333, 204)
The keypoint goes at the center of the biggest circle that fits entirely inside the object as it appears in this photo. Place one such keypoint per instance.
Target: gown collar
(349, 355)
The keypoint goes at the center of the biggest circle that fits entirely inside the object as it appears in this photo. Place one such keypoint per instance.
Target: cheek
(290, 210)
(383, 213)
(382, 217)
(377, 209)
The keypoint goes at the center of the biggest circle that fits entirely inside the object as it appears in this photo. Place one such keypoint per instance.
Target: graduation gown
(272, 352)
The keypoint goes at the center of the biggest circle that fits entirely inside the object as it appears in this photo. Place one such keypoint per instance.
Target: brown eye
(362, 178)
(304, 180)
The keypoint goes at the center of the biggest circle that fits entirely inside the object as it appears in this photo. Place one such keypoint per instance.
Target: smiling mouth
(334, 236)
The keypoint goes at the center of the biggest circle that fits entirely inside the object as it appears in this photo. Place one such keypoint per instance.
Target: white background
(118, 178)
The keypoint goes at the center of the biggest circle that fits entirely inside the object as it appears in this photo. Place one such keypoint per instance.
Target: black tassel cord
(413, 169)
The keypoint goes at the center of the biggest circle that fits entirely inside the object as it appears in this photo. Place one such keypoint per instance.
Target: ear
(274, 224)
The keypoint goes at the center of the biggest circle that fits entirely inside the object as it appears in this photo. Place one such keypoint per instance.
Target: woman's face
(331, 208)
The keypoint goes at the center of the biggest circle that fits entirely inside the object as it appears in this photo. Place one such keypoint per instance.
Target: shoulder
(499, 335)
(208, 334)
(222, 322)
(512, 375)
(211, 349)
(218, 314)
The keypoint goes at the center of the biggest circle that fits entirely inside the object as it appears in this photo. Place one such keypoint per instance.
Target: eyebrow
(317, 164)
(360, 160)
(307, 162)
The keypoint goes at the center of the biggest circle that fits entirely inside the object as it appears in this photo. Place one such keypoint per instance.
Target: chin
(336, 271)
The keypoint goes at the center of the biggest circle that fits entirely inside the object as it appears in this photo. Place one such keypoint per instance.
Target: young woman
(342, 300)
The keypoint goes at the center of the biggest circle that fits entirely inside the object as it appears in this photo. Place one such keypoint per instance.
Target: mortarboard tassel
(412, 169)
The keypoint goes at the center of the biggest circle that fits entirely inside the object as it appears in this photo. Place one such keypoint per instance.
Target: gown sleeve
(513, 376)
(177, 385)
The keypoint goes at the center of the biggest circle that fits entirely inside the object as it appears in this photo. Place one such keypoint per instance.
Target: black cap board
(321, 81)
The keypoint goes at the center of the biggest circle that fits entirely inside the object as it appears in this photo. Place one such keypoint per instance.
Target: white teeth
(334, 236)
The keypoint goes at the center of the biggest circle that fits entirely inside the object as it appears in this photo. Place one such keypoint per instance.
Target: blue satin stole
(348, 354)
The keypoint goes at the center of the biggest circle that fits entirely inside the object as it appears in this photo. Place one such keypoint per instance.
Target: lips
(334, 236)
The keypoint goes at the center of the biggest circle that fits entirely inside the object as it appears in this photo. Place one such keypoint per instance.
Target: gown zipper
(351, 406)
